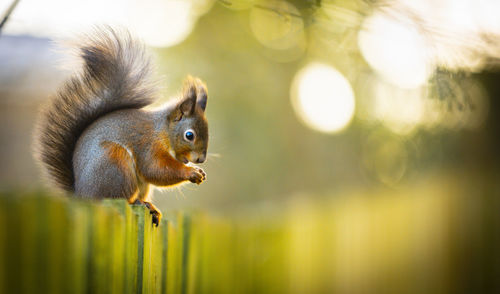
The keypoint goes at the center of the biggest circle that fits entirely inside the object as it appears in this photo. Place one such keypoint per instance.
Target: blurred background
(363, 130)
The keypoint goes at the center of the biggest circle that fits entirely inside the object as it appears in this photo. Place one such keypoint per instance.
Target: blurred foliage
(264, 153)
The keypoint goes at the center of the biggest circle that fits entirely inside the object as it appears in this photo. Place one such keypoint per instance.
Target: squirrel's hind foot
(155, 212)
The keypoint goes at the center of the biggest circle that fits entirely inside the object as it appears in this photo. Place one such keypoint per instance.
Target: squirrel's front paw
(197, 175)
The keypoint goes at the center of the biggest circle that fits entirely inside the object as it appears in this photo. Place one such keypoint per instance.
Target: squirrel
(94, 138)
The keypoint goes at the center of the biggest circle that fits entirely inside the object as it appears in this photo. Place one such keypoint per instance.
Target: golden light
(159, 23)
(163, 23)
(59, 18)
(395, 50)
(322, 98)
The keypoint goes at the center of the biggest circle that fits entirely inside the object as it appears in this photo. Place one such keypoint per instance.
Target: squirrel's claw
(155, 212)
(156, 217)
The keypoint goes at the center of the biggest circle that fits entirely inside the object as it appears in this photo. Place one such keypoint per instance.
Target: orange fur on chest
(162, 156)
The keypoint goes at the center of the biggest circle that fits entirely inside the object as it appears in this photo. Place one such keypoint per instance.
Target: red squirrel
(95, 139)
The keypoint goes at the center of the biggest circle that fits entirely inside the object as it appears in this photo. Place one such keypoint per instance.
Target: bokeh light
(323, 98)
(395, 50)
(163, 23)
(446, 104)
(277, 25)
(400, 110)
(158, 23)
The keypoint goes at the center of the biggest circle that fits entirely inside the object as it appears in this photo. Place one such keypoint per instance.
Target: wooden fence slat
(29, 238)
(164, 226)
(157, 257)
(128, 267)
(131, 250)
(117, 254)
(11, 251)
(185, 224)
(78, 247)
(3, 242)
(172, 256)
(194, 256)
(100, 269)
(139, 211)
(144, 237)
(55, 215)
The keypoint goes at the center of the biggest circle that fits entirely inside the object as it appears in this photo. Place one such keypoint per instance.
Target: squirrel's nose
(201, 158)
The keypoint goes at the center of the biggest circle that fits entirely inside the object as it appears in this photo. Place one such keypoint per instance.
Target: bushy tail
(116, 75)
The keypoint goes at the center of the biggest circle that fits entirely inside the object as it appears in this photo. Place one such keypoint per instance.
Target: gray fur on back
(95, 175)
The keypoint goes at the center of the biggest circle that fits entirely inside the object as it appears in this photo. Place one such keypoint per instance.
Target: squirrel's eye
(189, 135)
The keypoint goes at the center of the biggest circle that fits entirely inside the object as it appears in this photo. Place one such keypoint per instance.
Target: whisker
(216, 155)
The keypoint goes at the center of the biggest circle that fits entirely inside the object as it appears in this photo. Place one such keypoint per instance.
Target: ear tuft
(202, 102)
(188, 101)
(202, 96)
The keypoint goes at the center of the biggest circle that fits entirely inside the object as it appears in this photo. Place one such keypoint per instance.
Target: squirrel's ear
(187, 105)
(202, 98)
(194, 94)
(188, 102)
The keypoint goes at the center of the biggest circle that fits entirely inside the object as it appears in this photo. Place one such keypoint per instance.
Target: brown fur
(164, 170)
(118, 155)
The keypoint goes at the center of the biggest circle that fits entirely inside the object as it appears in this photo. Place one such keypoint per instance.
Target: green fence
(59, 245)
(436, 237)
